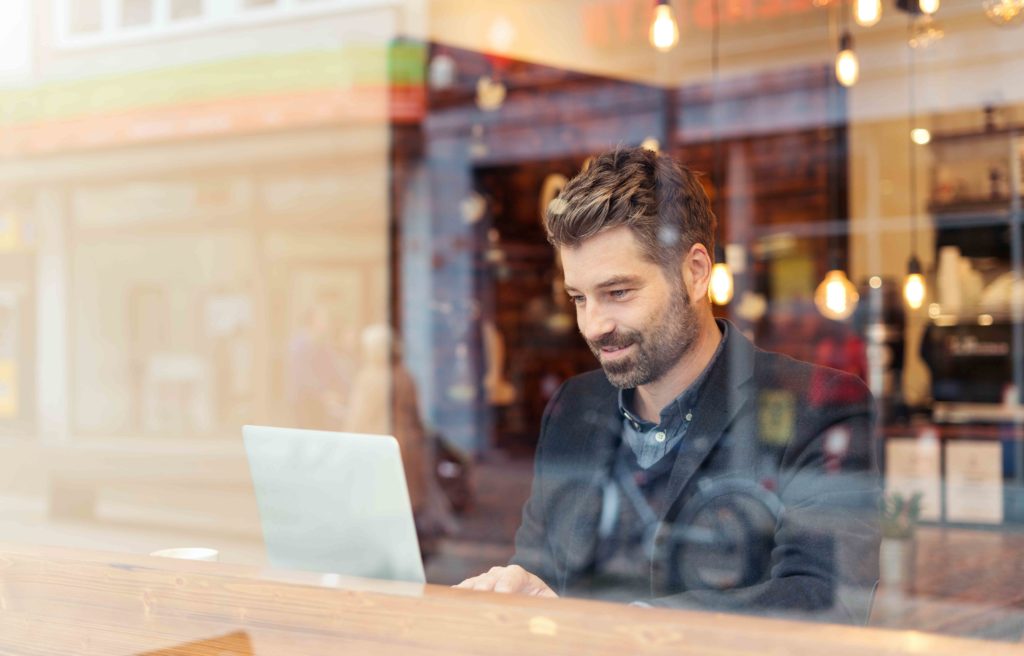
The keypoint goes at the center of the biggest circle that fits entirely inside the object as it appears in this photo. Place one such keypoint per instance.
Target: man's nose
(597, 322)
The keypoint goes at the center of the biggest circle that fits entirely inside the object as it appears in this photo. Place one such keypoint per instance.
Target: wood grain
(56, 601)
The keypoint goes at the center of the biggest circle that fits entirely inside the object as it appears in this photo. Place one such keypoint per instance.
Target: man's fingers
(511, 580)
(468, 583)
(544, 591)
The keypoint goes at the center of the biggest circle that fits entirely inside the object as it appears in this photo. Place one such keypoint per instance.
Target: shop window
(85, 16)
(186, 9)
(135, 13)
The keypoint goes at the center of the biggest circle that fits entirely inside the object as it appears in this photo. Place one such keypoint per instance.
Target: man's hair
(660, 200)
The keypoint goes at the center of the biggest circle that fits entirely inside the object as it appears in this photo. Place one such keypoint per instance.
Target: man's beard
(658, 347)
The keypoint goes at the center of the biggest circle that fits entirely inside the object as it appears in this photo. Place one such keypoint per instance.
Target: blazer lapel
(724, 393)
(599, 439)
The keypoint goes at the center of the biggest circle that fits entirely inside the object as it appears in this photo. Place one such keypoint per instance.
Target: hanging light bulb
(664, 28)
(928, 6)
(920, 136)
(867, 12)
(720, 286)
(836, 297)
(913, 286)
(847, 66)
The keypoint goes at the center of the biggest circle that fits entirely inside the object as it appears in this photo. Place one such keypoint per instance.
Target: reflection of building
(173, 210)
(474, 246)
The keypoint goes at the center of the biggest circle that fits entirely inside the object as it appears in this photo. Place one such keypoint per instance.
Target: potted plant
(900, 516)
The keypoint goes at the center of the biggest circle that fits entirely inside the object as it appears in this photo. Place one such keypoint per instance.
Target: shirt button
(689, 416)
(660, 436)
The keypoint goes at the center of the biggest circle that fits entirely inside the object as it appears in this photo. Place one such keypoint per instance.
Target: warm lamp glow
(913, 286)
(928, 6)
(664, 29)
(867, 12)
(920, 136)
(913, 290)
(847, 66)
(1004, 12)
(836, 297)
(720, 287)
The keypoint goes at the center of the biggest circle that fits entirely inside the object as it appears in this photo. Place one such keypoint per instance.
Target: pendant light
(913, 286)
(720, 287)
(867, 12)
(847, 65)
(836, 297)
(664, 33)
(914, 289)
(928, 7)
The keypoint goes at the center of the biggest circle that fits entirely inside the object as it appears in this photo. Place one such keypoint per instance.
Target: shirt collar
(687, 398)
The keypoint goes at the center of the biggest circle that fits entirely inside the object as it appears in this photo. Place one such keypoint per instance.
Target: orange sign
(396, 103)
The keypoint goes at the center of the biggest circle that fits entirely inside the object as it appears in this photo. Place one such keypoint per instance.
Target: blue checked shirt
(651, 442)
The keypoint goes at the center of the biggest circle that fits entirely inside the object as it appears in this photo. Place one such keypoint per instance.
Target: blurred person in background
(384, 401)
(316, 380)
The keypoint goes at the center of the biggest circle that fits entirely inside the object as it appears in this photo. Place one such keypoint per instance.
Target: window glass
(85, 16)
(184, 9)
(136, 12)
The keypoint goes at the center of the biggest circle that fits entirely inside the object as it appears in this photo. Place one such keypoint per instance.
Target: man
(693, 470)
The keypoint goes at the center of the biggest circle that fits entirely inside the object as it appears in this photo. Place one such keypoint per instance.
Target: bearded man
(693, 469)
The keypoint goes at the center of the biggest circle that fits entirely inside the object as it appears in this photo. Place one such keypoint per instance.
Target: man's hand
(512, 579)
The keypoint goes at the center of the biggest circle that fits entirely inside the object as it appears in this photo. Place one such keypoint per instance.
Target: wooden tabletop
(60, 601)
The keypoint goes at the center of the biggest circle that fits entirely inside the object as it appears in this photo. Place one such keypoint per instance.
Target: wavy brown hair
(659, 199)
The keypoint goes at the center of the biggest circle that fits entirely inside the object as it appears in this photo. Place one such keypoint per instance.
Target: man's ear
(697, 271)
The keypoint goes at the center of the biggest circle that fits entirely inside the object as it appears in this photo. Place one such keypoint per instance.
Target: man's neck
(652, 397)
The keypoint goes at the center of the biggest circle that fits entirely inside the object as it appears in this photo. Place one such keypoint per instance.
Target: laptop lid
(334, 502)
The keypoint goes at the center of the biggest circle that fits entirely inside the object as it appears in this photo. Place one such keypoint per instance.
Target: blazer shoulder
(816, 385)
(582, 404)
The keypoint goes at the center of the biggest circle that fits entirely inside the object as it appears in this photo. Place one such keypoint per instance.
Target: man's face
(637, 321)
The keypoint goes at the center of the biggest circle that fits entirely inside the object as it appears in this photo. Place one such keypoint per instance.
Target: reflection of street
(487, 529)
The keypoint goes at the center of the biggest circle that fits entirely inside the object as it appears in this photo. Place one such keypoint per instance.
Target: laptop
(334, 502)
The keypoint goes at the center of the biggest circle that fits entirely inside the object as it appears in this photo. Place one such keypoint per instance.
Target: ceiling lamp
(920, 136)
(867, 12)
(913, 285)
(928, 6)
(836, 297)
(721, 287)
(1004, 12)
(664, 28)
(847, 66)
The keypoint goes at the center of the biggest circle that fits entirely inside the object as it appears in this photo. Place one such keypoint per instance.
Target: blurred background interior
(326, 214)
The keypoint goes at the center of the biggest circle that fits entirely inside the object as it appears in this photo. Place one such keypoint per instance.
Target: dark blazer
(795, 433)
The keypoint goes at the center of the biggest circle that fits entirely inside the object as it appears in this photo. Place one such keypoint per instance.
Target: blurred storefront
(205, 205)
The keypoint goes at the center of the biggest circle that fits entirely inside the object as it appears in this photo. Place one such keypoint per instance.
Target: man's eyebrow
(619, 280)
(614, 281)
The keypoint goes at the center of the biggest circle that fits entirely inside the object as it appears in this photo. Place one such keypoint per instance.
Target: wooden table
(58, 601)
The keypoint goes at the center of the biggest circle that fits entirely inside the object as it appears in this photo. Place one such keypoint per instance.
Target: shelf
(966, 135)
(976, 429)
(973, 213)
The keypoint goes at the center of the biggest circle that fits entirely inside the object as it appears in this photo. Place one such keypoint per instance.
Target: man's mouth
(614, 352)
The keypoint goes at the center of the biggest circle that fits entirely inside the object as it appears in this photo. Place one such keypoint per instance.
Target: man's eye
(577, 299)
(619, 293)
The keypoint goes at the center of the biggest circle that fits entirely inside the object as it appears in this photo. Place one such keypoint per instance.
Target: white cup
(189, 553)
